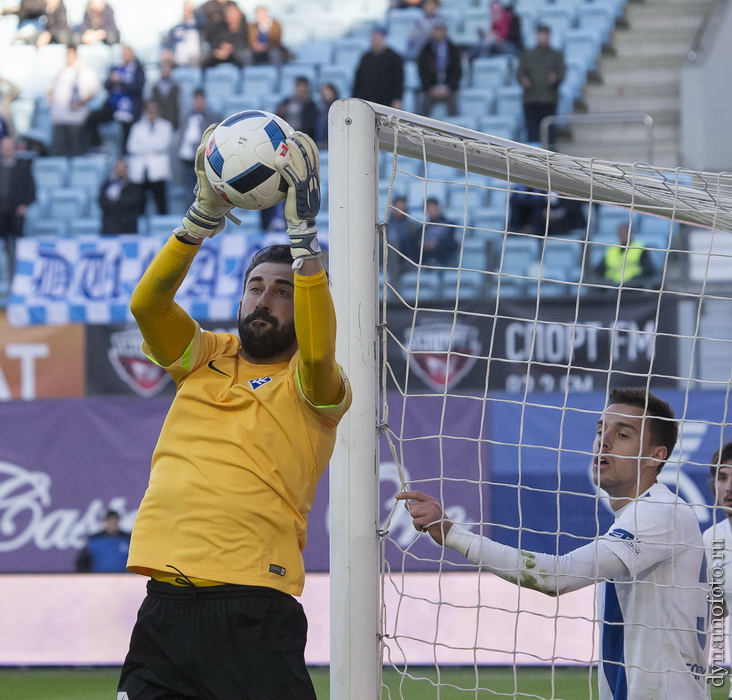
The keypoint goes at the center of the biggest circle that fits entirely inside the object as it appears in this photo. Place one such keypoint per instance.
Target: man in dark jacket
(17, 192)
(540, 72)
(120, 201)
(439, 70)
(380, 73)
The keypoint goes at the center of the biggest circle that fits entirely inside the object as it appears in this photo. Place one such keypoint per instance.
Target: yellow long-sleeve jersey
(239, 456)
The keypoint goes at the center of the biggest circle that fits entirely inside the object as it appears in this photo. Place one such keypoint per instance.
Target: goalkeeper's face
(266, 314)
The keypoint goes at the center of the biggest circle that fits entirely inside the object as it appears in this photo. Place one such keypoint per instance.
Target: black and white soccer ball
(240, 157)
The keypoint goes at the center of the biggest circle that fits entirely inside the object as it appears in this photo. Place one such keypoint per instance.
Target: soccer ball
(240, 156)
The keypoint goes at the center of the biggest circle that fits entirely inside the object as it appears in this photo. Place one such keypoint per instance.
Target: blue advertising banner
(89, 279)
(496, 465)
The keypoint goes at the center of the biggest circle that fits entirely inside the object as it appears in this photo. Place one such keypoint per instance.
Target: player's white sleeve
(546, 573)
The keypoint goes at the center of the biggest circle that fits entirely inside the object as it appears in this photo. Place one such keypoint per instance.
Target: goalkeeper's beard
(261, 343)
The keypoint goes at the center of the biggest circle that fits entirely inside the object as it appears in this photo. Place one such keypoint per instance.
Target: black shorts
(217, 643)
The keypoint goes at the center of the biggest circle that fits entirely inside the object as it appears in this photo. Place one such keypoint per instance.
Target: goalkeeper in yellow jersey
(222, 524)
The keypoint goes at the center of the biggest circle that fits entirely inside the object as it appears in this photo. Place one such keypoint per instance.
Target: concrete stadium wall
(706, 100)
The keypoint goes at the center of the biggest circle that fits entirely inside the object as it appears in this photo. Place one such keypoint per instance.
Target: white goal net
(484, 314)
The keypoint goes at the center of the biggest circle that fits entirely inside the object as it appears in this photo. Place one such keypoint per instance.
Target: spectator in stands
(68, 97)
(9, 92)
(380, 74)
(17, 193)
(440, 70)
(299, 110)
(504, 36)
(328, 95)
(120, 200)
(31, 16)
(540, 72)
(437, 241)
(230, 43)
(149, 147)
(56, 29)
(529, 208)
(184, 40)
(188, 138)
(265, 39)
(166, 93)
(422, 29)
(210, 18)
(98, 25)
(124, 100)
(105, 551)
(629, 260)
(403, 234)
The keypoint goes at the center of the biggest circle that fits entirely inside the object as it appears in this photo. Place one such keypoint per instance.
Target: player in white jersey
(718, 545)
(651, 562)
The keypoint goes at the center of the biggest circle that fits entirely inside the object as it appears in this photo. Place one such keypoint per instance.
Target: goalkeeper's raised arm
(650, 562)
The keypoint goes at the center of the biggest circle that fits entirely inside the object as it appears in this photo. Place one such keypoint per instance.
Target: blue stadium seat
(561, 253)
(87, 226)
(340, 76)
(583, 47)
(50, 171)
(504, 127)
(231, 104)
(225, 78)
(466, 283)
(467, 121)
(88, 171)
(476, 101)
(319, 51)
(489, 72)
(97, 56)
(290, 71)
(458, 197)
(559, 19)
(509, 102)
(519, 254)
(68, 203)
(162, 224)
(429, 285)
(47, 227)
(260, 80)
(599, 19)
(347, 51)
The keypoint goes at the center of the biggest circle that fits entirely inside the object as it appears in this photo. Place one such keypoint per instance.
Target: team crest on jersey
(142, 375)
(627, 537)
(441, 354)
(256, 383)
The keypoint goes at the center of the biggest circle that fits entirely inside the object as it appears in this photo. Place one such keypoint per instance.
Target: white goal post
(360, 133)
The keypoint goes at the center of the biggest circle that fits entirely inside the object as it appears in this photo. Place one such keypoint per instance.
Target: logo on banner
(441, 354)
(142, 375)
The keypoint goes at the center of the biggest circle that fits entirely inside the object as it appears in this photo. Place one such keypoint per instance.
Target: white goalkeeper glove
(300, 167)
(205, 217)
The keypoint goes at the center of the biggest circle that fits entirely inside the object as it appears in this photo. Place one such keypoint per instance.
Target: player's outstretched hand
(205, 217)
(300, 168)
(427, 514)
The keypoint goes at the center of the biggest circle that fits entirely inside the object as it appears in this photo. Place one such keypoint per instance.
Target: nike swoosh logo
(216, 369)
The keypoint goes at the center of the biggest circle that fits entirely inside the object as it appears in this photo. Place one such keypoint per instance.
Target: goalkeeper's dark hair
(272, 254)
(663, 426)
(721, 457)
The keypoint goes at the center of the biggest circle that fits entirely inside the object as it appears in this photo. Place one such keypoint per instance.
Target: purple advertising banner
(497, 465)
